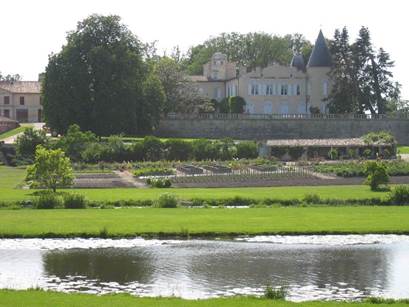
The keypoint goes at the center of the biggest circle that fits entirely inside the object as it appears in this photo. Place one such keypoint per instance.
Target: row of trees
(362, 76)
(9, 77)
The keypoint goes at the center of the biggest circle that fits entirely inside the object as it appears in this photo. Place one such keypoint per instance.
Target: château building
(297, 88)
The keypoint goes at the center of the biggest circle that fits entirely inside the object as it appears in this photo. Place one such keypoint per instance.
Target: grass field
(34, 298)
(18, 130)
(403, 149)
(203, 222)
(11, 177)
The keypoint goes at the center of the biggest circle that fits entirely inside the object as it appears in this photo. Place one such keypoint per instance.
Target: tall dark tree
(10, 78)
(97, 80)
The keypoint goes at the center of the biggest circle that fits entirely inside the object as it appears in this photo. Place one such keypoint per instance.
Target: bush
(333, 154)
(312, 199)
(166, 200)
(295, 152)
(246, 150)
(178, 150)
(153, 171)
(204, 149)
(159, 183)
(152, 148)
(48, 201)
(274, 294)
(236, 104)
(377, 174)
(27, 143)
(399, 195)
(74, 201)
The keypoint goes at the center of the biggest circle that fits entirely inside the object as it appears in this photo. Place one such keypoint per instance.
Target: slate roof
(320, 55)
(21, 87)
(298, 62)
(319, 142)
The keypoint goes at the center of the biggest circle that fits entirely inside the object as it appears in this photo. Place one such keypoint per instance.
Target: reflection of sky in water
(199, 269)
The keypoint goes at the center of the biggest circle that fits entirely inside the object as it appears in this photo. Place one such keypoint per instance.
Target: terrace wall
(6, 125)
(253, 128)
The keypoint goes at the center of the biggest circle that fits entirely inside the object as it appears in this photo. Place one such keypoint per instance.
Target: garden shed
(332, 149)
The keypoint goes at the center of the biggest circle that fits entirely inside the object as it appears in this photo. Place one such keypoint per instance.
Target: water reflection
(198, 269)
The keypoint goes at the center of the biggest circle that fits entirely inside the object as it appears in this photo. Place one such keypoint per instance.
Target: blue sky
(31, 30)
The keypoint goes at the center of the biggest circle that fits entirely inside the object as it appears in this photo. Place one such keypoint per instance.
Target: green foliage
(74, 201)
(295, 152)
(153, 171)
(100, 81)
(51, 170)
(204, 149)
(75, 141)
(383, 137)
(159, 183)
(353, 169)
(333, 154)
(27, 143)
(223, 106)
(236, 104)
(48, 201)
(246, 150)
(275, 294)
(399, 195)
(178, 150)
(377, 174)
(312, 199)
(167, 200)
(152, 147)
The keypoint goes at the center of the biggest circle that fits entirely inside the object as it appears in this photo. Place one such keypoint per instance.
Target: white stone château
(276, 89)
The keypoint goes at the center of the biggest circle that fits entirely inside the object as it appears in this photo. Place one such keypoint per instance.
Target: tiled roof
(22, 87)
(318, 142)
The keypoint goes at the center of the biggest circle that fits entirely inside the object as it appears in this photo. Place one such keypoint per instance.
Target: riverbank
(42, 298)
(208, 223)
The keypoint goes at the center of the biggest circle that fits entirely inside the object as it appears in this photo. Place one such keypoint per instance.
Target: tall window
(6, 99)
(298, 90)
(325, 88)
(254, 89)
(22, 100)
(269, 90)
(6, 113)
(284, 89)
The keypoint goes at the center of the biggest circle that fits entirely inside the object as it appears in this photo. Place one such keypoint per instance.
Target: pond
(310, 267)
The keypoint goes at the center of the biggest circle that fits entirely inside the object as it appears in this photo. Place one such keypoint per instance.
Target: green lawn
(11, 177)
(403, 149)
(41, 299)
(9, 133)
(206, 222)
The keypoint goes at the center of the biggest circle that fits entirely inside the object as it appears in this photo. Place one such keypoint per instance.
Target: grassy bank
(203, 222)
(12, 132)
(403, 149)
(12, 177)
(41, 298)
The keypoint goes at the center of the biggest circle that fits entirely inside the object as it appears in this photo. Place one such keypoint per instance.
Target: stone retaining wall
(263, 129)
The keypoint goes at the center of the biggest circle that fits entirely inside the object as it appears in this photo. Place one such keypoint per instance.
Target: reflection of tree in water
(106, 265)
(360, 267)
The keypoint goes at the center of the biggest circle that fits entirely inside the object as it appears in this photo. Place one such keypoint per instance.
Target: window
(284, 89)
(325, 88)
(254, 89)
(6, 113)
(298, 90)
(269, 90)
(22, 100)
(6, 99)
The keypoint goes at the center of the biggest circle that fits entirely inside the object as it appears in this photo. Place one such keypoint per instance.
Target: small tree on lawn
(377, 174)
(51, 169)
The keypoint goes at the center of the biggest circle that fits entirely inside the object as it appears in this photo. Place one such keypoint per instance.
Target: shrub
(247, 150)
(27, 143)
(377, 174)
(48, 201)
(236, 104)
(153, 171)
(399, 195)
(178, 150)
(136, 151)
(295, 152)
(159, 183)
(204, 149)
(166, 200)
(379, 137)
(152, 148)
(312, 199)
(274, 294)
(367, 153)
(333, 154)
(74, 201)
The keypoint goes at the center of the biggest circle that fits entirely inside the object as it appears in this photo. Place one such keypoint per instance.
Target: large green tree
(97, 80)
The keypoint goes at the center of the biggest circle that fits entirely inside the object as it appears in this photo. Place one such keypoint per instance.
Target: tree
(27, 143)
(51, 170)
(10, 78)
(97, 79)
(74, 142)
(236, 104)
(377, 174)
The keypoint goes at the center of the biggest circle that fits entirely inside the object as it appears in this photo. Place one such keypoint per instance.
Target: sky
(31, 30)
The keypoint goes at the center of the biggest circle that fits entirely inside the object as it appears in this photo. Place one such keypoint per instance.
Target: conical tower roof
(320, 55)
(298, 62)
